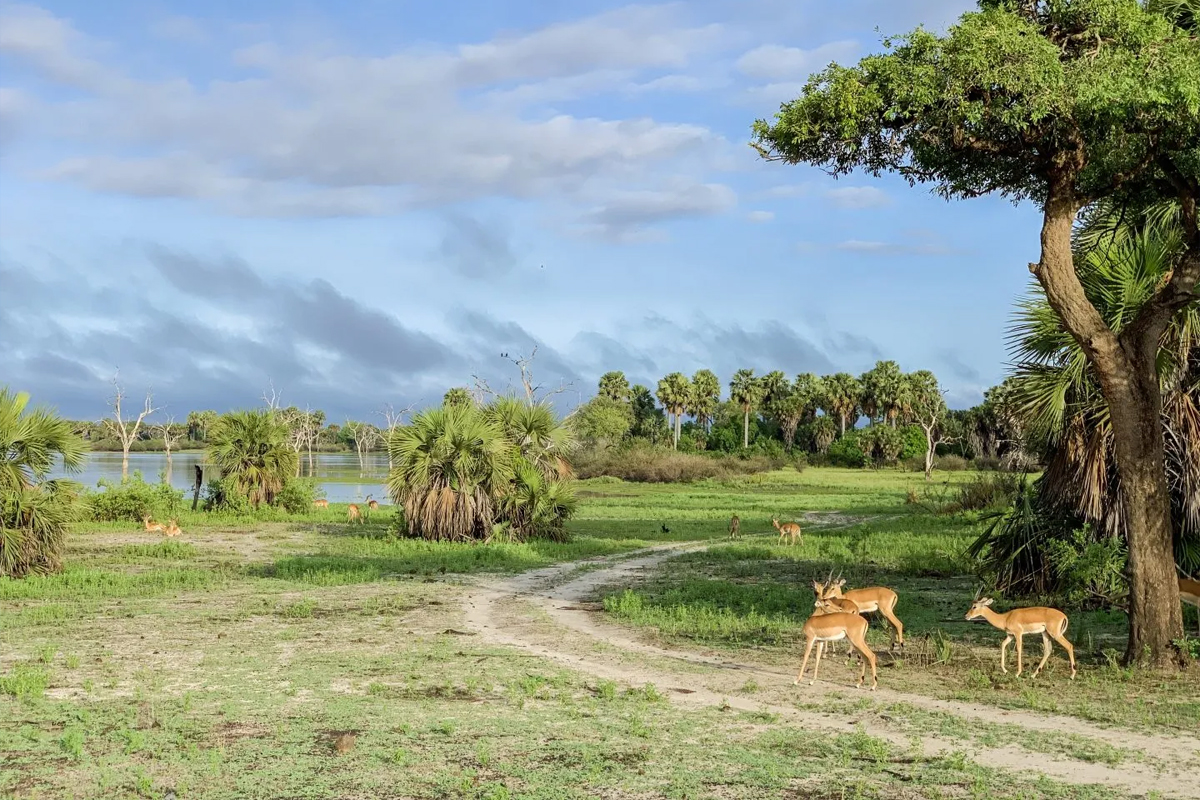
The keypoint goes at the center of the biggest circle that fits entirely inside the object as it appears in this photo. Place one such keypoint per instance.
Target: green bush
(133, 499)
(1090, 571)
(992, 490)
(219, 495)
(649, 464)
(914, 444)
(845, 452)
(297, 495)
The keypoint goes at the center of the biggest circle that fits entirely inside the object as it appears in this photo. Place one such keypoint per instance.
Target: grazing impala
(1189, 592)
(735, 526)
(150, 525)
(172, 529)
(372, 504)
(352, 513)
(1049, 622)
(872, 598)
(320, 503)
(833, 626)
(788, 530)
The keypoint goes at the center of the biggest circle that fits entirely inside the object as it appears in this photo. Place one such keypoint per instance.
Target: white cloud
(775, 63)
(760, 216)
(321, 133)
(858, 197)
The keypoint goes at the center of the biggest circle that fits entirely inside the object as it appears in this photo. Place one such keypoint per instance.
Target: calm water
(337, 473)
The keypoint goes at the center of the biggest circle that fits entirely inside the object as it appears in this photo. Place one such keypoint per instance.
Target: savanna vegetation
(422, 648)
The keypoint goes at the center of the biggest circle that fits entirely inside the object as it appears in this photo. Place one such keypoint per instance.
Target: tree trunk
(168, 475)
(746, 428)
(1127, 374)
(929, 452)
(196, 490)
(678, 427)
(843, 418)
(124, 461)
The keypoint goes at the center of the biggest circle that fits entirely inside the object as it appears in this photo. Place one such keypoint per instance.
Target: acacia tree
(746, 391)
(1062, 104)
(928, 409)
(126, 430)
(675, 392)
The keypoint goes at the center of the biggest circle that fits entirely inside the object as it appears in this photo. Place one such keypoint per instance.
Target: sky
(367, 203)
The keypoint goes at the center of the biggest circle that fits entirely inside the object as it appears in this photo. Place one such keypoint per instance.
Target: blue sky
(365, 203)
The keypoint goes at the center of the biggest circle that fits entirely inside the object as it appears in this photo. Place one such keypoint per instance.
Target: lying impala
(150, 525)
(789, 530)
(1189, 592)
(872, 598)
(172, 529)
(832, 626)
(1049, 622)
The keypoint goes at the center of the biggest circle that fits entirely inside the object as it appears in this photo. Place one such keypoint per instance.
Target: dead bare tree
(525, 365)
(170, 433)
(125, 430)
(365, 436)
(271, 397)
(394, 419)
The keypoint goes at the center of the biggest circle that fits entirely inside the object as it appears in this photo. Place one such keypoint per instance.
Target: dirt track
(539, 612)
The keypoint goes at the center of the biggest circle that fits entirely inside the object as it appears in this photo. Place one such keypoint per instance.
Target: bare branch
(393, 417)
(273, 398)
(169, 433)
(482, 389)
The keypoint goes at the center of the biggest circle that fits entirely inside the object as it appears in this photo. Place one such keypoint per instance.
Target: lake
(337, 473)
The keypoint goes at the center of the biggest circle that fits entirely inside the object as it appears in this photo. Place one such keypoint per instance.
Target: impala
(373, 505)
(735, 526)
(320, 504)
(825, 606)
(1049, 622)
(1189, 592)
(352, 513)
(872, 598)
(833, 626)
(150, 525)
(172, 529)
(788, 530)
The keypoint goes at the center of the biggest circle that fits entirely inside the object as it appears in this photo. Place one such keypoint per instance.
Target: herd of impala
(838, 615)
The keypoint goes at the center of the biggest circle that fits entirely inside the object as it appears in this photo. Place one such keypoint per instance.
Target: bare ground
(540, 612)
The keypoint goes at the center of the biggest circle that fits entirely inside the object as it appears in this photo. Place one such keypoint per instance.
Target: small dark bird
(665, 529)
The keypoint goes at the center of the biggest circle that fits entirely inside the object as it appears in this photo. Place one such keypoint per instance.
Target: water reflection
(339, 474)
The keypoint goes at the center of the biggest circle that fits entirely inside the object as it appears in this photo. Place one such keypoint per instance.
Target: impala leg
(1058, 637)
(866, 654)
(1003, 650)
(890, 613)
(804, 665)
(1046, 648)
(817, 666)
(1020, 665)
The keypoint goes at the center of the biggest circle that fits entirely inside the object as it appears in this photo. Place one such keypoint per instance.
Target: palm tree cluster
(470, 473)
(253, 453)
(1122, 255)
(35, 511)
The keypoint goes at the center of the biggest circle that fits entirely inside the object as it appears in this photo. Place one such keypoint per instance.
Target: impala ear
(841, 582)
(987, 601)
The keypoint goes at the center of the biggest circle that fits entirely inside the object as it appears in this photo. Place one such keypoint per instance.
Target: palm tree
(451, 468)
(812, 389)
(883, 391)
(675, 392)
(458, 396)
(542, 440)
(824, 432)
(746, 391)
(34, 511)
(789, 410)
(843, 394)
(614, 385)
(774, 387)
(706, 395)
(1059, 402)
(250, 448)
(536, 506)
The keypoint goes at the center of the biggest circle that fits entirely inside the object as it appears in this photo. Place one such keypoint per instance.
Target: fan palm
(536, 506)
(614, 385)
(843, 394)
(538, 435)
(251, 450)
(451, 466)
(675, 393)
(706, 395)
(1121, 263)
(34, 511)
(746, 391)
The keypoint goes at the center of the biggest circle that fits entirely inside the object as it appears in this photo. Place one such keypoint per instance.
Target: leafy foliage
(250, 448)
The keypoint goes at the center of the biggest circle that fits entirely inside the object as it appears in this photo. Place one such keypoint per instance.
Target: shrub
(132, 500)
(950, 463)
(991, 490)
(297, 495)
(845, 452)
(1090, 571)
(218, 496)
(913, 444)
(648, 464)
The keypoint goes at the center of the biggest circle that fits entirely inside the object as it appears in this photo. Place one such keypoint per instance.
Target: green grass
(222, 665)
